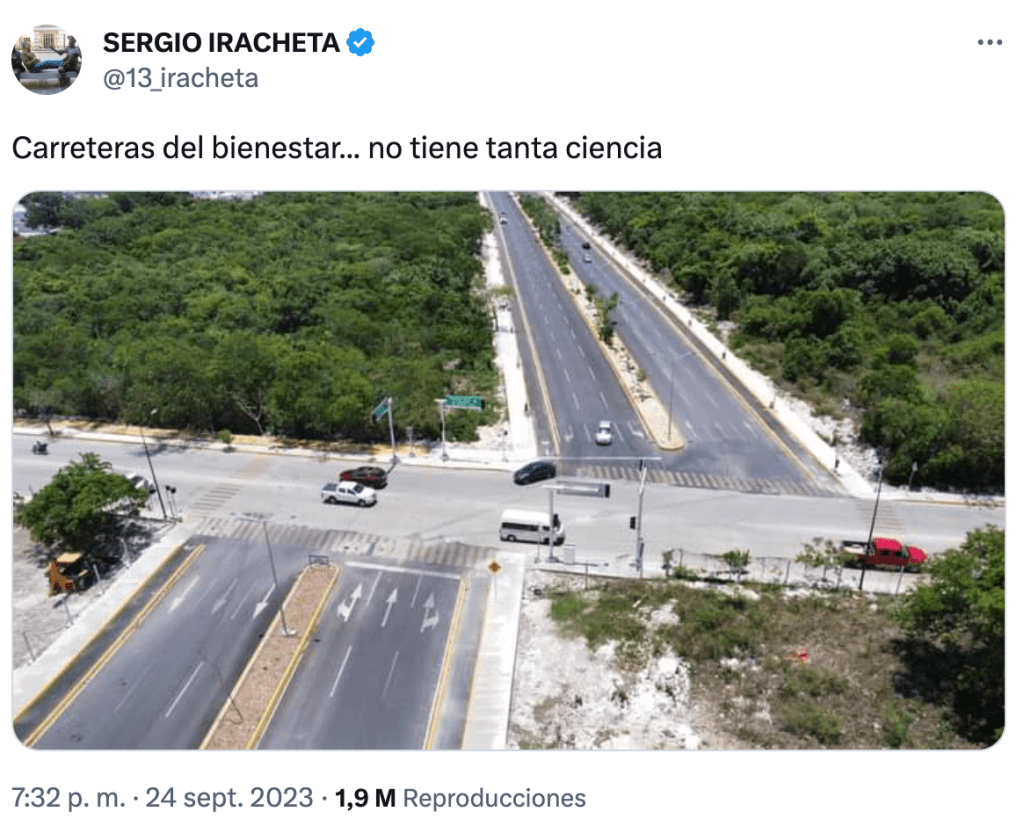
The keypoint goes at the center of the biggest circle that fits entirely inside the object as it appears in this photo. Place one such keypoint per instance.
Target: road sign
(464, 402)
(380, 410)
(579, 488)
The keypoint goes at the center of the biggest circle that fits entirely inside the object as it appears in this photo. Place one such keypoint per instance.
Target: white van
(529, 526)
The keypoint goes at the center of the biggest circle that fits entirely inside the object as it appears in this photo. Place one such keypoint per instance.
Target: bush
(806, 719)
(812, 681)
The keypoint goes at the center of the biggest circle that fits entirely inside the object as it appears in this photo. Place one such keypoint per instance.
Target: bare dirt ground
(38, 618)
(566, 696)
(823, 669)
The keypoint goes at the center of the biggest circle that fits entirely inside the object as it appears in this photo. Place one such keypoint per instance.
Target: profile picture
(46, 60)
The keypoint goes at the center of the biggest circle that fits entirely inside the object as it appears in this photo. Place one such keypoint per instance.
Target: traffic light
(632, 523)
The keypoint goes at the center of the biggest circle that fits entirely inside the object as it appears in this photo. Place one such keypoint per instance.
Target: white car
(141, 482)
(604, 433)
(351, 493)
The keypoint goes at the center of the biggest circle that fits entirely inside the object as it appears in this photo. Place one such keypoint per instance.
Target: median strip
(251, 705)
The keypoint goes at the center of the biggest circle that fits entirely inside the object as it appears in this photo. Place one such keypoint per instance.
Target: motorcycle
(39, 447)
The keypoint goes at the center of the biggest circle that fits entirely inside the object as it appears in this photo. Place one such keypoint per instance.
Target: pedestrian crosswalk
(438, 552)
(629, 471)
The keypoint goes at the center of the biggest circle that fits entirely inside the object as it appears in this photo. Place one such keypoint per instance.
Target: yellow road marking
(441, 691)
(105, 657)
(293, 665)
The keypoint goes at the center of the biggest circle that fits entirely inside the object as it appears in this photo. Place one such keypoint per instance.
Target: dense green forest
(892, 302)
(291, 314)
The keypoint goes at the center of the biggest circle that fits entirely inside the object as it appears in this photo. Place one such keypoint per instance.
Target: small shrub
(684, 573)
(806, 719)
(895, 725)
(812, 681)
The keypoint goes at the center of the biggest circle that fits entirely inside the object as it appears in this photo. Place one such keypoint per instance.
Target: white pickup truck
(351, 493)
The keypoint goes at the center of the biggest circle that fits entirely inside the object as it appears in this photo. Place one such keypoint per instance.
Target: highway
(727, 439)
(392, 659)
(579, 383)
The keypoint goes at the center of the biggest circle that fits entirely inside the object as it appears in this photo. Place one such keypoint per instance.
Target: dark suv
(372, 477)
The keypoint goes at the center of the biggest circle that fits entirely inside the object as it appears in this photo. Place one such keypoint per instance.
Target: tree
(76, 507)
(737, 561)
(960, 614)
(43, 209)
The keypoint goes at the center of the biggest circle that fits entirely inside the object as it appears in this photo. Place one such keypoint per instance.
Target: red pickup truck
(886, 553)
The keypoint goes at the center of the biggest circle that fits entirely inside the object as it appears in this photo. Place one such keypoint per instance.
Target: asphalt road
(164, 686)
(370, 678)
(423, 505)
(581, 386)
(728, 440)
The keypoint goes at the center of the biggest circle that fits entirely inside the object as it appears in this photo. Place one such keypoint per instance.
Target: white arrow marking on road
(181, 598)
(345, 606)
(428, 620)
(220, 603)
(392, 599)
(263, 603)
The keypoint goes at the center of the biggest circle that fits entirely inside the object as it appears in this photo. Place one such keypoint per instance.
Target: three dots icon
(990, 42)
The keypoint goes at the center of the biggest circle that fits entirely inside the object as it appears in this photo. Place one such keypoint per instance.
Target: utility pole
(639, 520)
(871, 530)
(391, 429)
(152, 472)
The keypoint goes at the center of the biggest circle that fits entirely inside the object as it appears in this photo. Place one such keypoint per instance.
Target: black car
(372, 477)
(534, 472)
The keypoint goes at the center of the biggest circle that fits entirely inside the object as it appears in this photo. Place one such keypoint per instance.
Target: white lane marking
(220, 603)
(390, 673)
(604, 401)
(138, 681)
(338, 678)
(592, 374)
(176, 602)
(575, 401)
(184, 688)
(420, 571)
(369, 599)
(242, 602)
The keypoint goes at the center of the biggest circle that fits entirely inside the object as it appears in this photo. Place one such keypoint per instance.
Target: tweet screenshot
(536, 410)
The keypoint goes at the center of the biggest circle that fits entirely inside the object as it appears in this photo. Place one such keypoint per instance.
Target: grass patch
(743, 657)
(806, 719)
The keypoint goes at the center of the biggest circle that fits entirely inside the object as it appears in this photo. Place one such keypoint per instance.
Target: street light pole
(639, 521)
(262, 519)
(273, 573)
(152, 472)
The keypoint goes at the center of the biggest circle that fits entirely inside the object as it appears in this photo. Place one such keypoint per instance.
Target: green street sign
(464, 402)
(381, 409)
